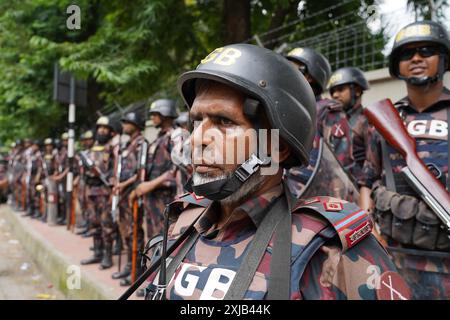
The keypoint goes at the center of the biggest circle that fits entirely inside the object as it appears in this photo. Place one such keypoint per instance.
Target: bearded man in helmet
(240, 234)
(415, 236)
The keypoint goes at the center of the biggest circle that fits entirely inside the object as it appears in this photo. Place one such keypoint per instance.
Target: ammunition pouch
(409, 221)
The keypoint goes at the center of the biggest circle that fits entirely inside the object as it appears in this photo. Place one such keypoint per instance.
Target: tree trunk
(236, 14)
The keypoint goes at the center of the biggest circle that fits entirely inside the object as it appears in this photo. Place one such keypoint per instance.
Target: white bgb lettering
(438, 128)
(212, 284)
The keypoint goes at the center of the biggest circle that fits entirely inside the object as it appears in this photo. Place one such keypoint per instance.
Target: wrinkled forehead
(212, 93)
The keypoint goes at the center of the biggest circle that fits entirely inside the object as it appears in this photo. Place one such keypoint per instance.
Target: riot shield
(325, 178)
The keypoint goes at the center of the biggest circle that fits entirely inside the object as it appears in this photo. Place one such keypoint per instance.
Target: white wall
(383, 86)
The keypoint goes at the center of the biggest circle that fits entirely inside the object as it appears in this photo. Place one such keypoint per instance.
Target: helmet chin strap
(222, 188)
(423, 81)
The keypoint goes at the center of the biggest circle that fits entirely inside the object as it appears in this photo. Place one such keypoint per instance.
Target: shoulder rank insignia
(351, 223)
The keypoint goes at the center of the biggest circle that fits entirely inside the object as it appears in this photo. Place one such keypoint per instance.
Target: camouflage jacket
(102, 157)
(429, 129)
(340, 269)
(49, 165)
(159, 160)
(361, 134)
(333, 127)
(130, 156)
(62, 159)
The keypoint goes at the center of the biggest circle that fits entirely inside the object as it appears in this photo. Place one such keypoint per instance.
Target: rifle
(138, 208)
(90, 165)
(116, 195)
(387, 121)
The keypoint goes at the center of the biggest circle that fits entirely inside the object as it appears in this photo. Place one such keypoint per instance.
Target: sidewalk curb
(52, 262)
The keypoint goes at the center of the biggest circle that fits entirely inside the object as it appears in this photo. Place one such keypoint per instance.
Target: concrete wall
(383, 86)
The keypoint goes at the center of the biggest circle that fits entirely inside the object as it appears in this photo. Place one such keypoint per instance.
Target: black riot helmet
(272, 86)
(421, 31)
(182, 119)
(133, 118)
(351, 76)
(165, 107)
(317, 65)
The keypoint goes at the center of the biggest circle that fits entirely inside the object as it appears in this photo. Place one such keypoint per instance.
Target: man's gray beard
(247, 189)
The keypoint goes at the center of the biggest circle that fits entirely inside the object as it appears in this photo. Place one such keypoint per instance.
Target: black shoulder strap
(258, 246)
(448, 150)
(181, 254)
(280, 264)
(390, 183)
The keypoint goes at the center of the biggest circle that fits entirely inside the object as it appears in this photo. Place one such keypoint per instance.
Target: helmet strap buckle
(249, 167)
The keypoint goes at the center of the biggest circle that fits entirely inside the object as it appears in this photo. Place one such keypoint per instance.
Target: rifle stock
(387, 121)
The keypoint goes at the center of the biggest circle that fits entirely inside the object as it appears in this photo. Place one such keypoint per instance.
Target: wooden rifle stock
(387, 121)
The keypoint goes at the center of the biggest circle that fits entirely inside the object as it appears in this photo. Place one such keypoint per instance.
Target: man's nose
(416, 57)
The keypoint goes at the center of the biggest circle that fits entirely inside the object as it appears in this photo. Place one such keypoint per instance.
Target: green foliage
(127, 50)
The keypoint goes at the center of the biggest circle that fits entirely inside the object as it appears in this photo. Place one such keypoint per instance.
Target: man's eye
(224, 121)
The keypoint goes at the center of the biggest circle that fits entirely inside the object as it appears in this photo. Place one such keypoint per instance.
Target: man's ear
(285, 151)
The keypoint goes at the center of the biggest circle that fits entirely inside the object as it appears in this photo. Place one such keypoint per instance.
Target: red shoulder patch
(333, 206)
(393, 287)
(358, 233)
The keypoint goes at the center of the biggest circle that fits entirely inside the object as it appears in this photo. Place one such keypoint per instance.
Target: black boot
(124, 273)
(117, 246)
(98, 251)
(127, 281)
(106, 262)
(88, 234)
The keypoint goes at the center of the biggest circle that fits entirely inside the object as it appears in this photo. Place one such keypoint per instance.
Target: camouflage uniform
(97, 195)
(361, 133)
(405, 220)
(159, 161)
(337, 270)
(62, 162)
(36, 174)
(130, 162)
(19, 167)
(333, 127)
(49, 167)
(181, 158)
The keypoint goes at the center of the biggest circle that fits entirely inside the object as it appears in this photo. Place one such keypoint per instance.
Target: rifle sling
(389, 174)
(244, 276)
(448, 150)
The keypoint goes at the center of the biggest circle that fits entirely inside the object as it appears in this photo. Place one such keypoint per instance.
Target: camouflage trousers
(99, 215)
(155, 203)
(126, 222)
